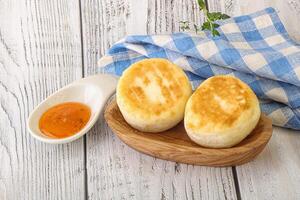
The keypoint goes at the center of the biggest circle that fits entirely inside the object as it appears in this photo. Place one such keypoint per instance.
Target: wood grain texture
(104, 22)
(114, 170)
(175, 145)
(164, 16)
(288, 11)
(40, 51)
(274, 174)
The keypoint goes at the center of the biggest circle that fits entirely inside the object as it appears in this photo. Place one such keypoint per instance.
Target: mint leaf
(215, 25)
(213, 16)
(224, 16)
(205, 26)
(215, 32)
(209, 24)
(201, 4)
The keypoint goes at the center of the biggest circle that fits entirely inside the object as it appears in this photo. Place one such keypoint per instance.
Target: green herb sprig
(210, 23)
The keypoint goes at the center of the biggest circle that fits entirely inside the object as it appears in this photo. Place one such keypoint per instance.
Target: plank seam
(83, 75)
(236, 183)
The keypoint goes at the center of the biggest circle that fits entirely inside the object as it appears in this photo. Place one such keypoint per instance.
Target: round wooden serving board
(175, 145)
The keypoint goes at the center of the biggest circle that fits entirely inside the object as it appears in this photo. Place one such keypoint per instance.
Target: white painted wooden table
(45, 45)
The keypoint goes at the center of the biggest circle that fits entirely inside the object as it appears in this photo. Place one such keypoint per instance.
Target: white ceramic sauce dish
(92, 91)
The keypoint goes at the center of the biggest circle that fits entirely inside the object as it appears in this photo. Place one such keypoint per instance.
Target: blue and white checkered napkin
(255, 48)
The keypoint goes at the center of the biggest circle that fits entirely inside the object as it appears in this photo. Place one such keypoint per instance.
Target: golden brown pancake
(152, 94)
(221, 112)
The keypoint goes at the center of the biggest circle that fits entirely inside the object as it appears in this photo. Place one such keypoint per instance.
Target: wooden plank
(288, 11)
(40, 52)
(275, 173)
(164, 16)
(114, 170)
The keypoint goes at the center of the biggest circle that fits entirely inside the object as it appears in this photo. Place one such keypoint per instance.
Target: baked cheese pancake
(221, 112)
(152, 94)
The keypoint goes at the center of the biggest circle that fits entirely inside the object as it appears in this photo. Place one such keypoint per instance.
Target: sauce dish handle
(105, 82)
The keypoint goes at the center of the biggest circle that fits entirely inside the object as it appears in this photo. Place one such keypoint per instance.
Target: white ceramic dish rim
(102, 83)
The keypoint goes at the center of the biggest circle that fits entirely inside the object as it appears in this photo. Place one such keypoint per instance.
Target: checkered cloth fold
(254, 48)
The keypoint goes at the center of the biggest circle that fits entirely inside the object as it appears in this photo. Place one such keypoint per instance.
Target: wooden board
(40, 51)
(175, 145)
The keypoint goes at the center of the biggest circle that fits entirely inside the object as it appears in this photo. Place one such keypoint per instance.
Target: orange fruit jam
(64, 120)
